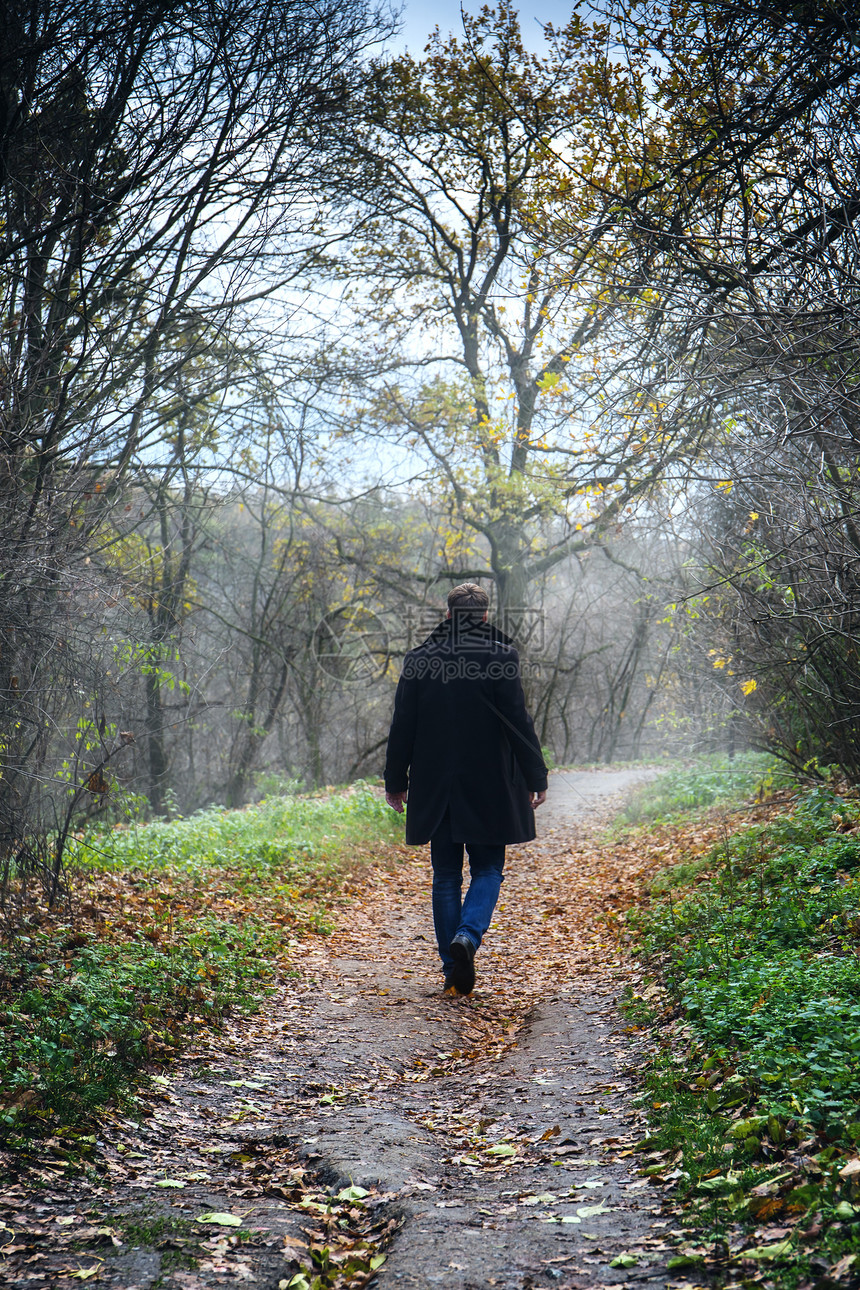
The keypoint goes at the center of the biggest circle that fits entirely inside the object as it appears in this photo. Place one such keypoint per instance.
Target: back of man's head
(468, 596)
(467, 606)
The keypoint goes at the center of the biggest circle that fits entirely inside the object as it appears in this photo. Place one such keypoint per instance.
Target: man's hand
(396, 800)
(538, 798)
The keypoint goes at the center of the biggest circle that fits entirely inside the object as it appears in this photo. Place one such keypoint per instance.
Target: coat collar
(443, 634)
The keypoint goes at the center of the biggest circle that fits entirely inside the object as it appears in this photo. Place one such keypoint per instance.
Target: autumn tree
(494, 347)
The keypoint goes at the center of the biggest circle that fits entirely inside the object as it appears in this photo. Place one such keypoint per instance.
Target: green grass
(711, 781)
(189, 920)
(757, 948)
(295, 835)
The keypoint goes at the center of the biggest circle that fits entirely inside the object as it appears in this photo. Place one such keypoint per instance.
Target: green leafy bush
(757, 946)
(79, 1022)
(761, 956)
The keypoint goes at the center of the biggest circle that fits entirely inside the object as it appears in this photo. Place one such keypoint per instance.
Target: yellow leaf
(749, 686)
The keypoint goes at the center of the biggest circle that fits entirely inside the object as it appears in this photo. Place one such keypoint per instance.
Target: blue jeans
(471, 917)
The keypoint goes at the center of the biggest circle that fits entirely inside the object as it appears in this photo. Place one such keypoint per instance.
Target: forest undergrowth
(169, 928)
(750, 949)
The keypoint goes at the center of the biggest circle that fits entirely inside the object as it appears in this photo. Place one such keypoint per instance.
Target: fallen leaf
(839, 1269)
(220, 1220)
(766, 1252)
(352, 1193)
(683, 1261)
(743, 1128)
(763, 1207)
(722, 1182)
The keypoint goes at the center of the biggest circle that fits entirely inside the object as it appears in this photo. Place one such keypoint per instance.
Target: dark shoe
(449, 984)
(462, 951)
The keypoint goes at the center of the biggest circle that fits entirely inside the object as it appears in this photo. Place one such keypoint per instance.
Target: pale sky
(419, 17)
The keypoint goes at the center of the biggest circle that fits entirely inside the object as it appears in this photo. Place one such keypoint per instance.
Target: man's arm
(401, 740)
(510, 706)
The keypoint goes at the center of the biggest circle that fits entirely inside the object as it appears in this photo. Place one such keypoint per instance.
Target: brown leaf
(764, 1207)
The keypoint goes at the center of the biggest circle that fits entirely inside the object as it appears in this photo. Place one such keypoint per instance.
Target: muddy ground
(494, 1135)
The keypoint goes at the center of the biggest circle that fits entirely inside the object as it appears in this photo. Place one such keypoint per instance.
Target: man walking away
(463, 748)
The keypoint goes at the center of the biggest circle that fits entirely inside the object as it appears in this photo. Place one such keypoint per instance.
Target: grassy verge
(172, 925)
(753, 1091)
(711, 781)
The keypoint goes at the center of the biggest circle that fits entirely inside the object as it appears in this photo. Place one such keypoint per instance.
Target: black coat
(461, 739)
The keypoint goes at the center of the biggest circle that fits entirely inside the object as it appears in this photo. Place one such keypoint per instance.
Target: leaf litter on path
(362, 1071)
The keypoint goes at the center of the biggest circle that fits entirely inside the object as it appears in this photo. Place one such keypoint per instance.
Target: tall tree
(459, 167)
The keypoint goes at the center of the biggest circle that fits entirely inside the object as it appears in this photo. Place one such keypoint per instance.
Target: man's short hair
(468, 596)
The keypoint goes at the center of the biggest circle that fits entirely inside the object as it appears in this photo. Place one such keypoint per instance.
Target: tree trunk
(155, 743)
(237, 785)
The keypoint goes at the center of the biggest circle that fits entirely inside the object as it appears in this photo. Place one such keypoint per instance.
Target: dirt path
(494, 1134)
